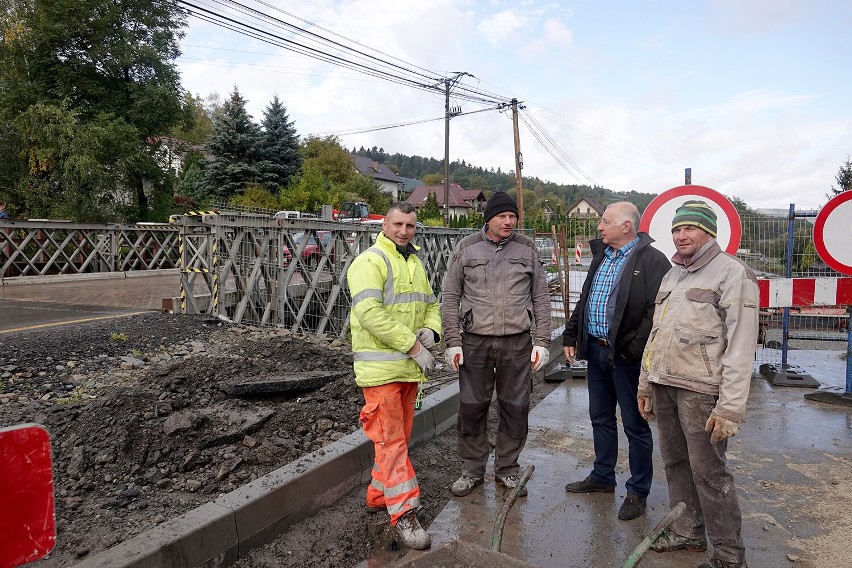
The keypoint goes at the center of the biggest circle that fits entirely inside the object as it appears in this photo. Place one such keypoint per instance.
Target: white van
(288, 215)
(294, 215)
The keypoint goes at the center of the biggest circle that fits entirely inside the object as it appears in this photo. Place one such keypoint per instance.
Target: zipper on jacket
(651, 347)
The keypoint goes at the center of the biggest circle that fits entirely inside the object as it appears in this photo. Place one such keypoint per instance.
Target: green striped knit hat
(696, 213)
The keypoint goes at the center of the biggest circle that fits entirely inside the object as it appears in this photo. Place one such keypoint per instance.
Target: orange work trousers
(387, 419)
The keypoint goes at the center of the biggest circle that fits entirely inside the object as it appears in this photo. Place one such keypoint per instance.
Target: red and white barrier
(578, 253)
(802, 292)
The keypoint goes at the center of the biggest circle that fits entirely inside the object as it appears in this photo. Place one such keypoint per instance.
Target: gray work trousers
(489, 362)
(697, 471)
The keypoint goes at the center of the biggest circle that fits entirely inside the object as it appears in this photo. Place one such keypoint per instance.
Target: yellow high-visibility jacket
(391, 300)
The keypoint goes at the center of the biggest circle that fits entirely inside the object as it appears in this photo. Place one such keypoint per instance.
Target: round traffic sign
(833, 233)
(657, 218)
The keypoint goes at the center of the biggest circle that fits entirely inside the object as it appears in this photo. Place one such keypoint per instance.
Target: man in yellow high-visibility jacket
(395, 319)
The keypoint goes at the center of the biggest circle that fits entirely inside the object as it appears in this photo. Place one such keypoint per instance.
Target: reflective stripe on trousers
(387, 419)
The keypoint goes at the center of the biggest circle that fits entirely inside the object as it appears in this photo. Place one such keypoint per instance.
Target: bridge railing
(288, 273)
(44, 248)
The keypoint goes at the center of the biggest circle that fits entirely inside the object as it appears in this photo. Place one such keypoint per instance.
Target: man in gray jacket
(695, 378)
(495, 292)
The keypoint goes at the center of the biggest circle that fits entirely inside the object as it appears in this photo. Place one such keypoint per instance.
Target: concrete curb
(54, 278)
(218, 533)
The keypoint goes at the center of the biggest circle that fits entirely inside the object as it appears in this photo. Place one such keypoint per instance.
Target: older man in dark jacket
(609, 328)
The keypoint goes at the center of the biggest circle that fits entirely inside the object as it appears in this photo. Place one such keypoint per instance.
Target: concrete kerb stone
(52, 278)
(205, 536)
(218, 533)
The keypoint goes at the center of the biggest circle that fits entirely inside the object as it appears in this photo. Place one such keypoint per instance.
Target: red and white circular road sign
(657, 218)
(833, 233)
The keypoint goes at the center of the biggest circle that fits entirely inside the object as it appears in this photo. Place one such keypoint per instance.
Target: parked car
(313, 251)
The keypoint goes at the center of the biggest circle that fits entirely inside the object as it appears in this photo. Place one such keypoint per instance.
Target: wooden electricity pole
(447, 154)
(519, 164)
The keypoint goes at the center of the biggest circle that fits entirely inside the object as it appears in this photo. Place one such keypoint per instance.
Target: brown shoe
(670, 540)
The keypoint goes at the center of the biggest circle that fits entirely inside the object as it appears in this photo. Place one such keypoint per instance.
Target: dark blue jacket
(634, 306)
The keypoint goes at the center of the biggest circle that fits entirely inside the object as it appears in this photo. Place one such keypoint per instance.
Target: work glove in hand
(721, 428)
(539, 357)
(646, 406)
(425, 359)
(426, 337)
(454, 357)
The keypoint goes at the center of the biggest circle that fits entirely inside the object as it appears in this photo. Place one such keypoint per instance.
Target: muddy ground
(143, 428)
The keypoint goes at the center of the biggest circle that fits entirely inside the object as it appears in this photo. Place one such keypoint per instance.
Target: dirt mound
(141, 427)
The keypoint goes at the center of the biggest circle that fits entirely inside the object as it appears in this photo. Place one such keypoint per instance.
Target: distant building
(462, 201)
(586, 207)
(389, 181)
(409, 185)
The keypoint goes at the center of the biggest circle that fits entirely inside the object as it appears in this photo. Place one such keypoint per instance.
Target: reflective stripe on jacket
(391, 300)
(704, 334)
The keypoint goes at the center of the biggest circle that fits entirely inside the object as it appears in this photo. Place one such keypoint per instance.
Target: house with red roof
(462, 201)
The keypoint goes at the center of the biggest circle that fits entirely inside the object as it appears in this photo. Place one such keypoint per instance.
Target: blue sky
(753, 95)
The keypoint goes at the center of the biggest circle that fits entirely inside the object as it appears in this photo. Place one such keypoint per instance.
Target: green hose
(646, 543)
(497, 535)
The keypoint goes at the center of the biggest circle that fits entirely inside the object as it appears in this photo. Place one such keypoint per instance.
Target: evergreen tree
(430, 208)
(192, 184)
(281, 157)
(843, 178)
(237, 149)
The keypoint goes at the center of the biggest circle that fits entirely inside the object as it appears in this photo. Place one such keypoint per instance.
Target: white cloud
(554, 37)
(502, 25)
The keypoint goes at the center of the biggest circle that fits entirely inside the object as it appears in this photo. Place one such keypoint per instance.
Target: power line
(389, 126)
(264, 26)
(551, 147)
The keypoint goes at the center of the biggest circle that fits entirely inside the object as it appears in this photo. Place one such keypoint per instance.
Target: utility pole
(448, 114)
(447, 154)
(519, 163)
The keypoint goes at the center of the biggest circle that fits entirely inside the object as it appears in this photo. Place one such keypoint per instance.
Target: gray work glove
(426, 337)
(425, 359)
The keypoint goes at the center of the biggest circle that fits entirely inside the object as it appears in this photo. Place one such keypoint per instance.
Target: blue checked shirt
(602, 286)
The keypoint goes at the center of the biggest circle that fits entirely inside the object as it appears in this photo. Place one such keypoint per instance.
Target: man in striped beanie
(695, 378)
(698, 213)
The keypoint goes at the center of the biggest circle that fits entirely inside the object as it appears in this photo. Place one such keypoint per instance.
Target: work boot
(465, 484)
(633, 507)
(411, 533)
(419, 511)
(716, 563)
(670, 540)
(589, 485)
(510, 482)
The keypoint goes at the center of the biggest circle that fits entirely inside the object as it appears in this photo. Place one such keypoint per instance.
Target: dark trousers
(697, 471)
(489, 362)
(610, 386)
